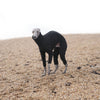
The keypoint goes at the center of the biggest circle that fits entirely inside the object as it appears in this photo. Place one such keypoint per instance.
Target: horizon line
(80, 33)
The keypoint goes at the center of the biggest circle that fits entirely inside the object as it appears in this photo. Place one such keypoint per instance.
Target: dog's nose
(34, 37)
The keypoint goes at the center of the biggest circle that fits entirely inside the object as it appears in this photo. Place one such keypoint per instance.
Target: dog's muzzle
(34, 37)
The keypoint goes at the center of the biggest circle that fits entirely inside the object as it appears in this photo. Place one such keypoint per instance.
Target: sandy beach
(21, 69)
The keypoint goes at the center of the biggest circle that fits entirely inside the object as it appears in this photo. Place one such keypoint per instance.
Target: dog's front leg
(44, 73)
(49, 68)
(44, 62)
(49, 62)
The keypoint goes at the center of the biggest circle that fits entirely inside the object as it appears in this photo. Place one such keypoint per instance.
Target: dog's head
(36, 32)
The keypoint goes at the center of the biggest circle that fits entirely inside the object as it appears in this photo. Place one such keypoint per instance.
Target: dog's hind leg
(62, 56)
(55, 54)
(56, 67)
(65, 69)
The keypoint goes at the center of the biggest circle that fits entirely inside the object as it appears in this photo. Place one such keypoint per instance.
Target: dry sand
(21, 69)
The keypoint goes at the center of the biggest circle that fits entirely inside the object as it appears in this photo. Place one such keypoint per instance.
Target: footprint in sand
(96, 72)
(68, 84)
(27, 63)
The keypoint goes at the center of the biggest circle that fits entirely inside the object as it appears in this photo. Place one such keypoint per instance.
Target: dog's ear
(38, 29)
(33, 31)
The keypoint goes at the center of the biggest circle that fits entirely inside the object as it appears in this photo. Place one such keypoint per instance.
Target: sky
(19, 17)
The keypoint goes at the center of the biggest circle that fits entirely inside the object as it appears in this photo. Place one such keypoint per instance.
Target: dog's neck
(39, 40)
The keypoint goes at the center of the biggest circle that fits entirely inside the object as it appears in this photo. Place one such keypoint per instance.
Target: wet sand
(21, 69)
